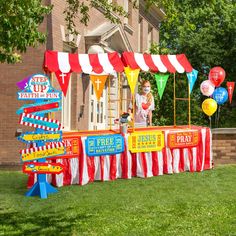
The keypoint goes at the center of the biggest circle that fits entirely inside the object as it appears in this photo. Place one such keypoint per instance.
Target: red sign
(41, 107)
(42, 168)
(72, 146)
(183, 139)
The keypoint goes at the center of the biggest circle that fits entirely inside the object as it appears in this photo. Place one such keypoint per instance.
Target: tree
(206, 32)
(19, 23)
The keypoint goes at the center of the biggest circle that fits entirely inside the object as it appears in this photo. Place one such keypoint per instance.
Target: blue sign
(104, 145)
(39, 87)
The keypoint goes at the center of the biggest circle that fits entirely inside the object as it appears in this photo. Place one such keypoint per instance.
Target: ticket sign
(32, 154)
(104, 145)
(183, 139)
(146, 141)
(47, 136)
(38, 108)
(39, 87)
(42, 168)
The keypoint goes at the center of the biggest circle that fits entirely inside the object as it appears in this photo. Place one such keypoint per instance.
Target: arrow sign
(53, 149)
(30, 137)
(40, 107)
(42, 168)
(40, 122)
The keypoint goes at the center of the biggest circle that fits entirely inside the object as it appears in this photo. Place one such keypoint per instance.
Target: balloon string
(218, 118)
(210, 121)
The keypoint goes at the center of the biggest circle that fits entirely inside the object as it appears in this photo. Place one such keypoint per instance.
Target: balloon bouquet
(211, 88)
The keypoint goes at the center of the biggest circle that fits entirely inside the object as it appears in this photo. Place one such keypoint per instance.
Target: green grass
(181, 204)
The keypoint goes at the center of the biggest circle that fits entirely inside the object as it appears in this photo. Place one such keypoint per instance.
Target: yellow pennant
(132, 76)
(98, 84)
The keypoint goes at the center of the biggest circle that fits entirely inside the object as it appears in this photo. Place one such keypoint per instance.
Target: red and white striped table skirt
(126, 165)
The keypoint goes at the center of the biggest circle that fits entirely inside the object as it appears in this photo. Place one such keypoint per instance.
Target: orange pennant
(98, 84)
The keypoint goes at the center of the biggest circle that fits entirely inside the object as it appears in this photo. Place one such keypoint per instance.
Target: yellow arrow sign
(39, 154)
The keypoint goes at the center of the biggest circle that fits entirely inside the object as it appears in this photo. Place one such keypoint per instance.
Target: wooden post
(174, 103)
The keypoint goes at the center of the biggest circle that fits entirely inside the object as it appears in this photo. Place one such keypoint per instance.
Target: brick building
(80, 106)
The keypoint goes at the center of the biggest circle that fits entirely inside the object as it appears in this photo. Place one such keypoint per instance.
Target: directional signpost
(47, 99)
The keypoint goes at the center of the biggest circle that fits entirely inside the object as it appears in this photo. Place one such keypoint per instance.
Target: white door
(66, 109)
(97, 110)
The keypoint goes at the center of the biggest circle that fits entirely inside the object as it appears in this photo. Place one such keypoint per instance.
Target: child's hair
(149, 95)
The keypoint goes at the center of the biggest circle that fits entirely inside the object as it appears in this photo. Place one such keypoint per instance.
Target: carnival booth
(140, 152)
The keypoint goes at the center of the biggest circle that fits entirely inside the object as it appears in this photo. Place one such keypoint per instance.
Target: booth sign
(104, 145)
(72, 147)
(183, 139)
(146, 142)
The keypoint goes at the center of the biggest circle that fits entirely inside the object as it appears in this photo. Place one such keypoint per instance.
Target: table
(82, 169)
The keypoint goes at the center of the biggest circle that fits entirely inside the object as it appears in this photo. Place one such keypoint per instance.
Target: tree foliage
(206, 32)
(19, 27)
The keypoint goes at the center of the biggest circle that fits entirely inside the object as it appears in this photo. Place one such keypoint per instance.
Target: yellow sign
(132, 77)
(146, 141)
(39, 154)
(98, 84)
(39, 137)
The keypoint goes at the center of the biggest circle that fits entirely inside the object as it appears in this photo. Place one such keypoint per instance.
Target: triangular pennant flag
(161, 80)
(63, 79)
(98, 84)
(132, 76)
(230, 86)
(192, 77)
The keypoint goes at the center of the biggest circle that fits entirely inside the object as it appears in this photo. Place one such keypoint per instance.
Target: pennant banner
(161, 80)
(230, 86)
(132, 76)
(192, 77)
(98, 84)
(63, 80)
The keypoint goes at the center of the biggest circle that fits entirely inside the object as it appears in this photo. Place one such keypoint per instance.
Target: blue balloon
(220, 95)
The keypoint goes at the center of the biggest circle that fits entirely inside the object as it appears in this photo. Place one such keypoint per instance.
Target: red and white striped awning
(102, 63)
(157, 63)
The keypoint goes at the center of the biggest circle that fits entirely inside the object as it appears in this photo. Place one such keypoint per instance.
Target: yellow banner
(43, 154)
(98, 84)
(146, 141)
(132, 76)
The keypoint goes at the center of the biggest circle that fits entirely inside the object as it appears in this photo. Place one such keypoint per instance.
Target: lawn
(181, 204)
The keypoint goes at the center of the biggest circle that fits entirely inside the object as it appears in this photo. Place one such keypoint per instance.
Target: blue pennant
(192, 77)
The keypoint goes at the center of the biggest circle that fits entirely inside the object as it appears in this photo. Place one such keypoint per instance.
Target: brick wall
(32, 63)
(224, 146)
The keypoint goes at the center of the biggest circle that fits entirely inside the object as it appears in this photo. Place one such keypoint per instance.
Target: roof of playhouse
(109, 62)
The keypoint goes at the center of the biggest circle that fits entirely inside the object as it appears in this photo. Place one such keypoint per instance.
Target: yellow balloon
(209, 106)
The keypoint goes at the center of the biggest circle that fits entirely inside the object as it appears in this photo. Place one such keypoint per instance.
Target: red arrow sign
(41, 107)
(42, 168)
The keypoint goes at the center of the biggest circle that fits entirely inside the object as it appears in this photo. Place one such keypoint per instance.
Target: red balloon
(217, 75)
